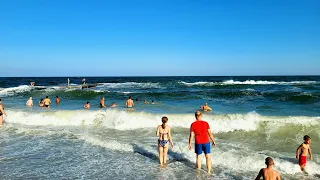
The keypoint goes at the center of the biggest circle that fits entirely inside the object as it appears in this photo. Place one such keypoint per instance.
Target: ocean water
(252, 118)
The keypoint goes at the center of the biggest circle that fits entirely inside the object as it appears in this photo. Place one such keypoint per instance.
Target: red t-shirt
(200, 129)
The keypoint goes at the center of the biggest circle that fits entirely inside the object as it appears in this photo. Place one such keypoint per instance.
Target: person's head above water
(47, 96)
(88, 102)
(57, 97)
(269, 161)
(129, 97)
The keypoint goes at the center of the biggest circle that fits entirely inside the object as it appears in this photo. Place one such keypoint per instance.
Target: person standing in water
(87, 106)
(84, 81)
(129, 103)
(268, 173)
(164, 134)
(102, 103)
(2, 112)
(200, 130)
(47, 102)
(57, 100)
(304, 149)
(29, 103)
(68, 81)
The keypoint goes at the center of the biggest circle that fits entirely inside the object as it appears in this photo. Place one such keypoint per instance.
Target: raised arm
(297, 151)
(259, 175)
(211, 137)
(310, 152)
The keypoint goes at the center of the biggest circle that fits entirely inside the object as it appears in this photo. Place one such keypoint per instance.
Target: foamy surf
(124, 120)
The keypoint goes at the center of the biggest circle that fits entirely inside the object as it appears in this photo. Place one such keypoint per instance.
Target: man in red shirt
(201, 131)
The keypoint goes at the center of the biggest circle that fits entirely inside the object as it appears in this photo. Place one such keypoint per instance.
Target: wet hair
(306, 137)
(197, 114)
(0, 99)
(88, 102)
(129, 97)
(269, 161)
(164, 119)
(57, 97)
(47, 96)
(152, 101)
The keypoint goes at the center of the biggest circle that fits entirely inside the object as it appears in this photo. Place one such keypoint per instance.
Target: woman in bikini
(164, 133)
(2, 113)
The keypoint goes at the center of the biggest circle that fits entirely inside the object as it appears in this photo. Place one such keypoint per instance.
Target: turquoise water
(252, 118)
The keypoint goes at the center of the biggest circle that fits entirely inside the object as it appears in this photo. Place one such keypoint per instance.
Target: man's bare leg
(198, 161)
(208, 161)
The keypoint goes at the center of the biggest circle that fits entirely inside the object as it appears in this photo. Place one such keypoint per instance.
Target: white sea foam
(240, 160)
(14, 90)
(131, 85)
(247, 82)
(123, 120)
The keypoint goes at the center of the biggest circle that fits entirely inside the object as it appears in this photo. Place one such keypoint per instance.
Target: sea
(252, 117)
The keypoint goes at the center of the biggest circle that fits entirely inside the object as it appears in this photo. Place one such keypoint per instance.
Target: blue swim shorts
(202, 147)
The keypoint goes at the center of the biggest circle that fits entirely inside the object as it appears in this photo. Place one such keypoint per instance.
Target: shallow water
(252, 118)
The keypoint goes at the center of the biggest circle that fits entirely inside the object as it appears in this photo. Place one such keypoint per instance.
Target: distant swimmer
(200, 130)
(32, 83)
(129, 103)
(84, 81)
(2, 112)
(29, 102)
(206, 107)
(57, 99)
(102, 103)
(152, 102)
(164, 134)
(145, 102)
(304, 149)
(113, 105)
(47, 102)
(87, 106)
(68, 81)
(268, 173)
(41, 104)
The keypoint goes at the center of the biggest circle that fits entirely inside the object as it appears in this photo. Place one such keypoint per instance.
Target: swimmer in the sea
(29, 103)
(87, 106)
(206, 107)
(47, 102)
(129, 103)
(268, 173)
(113, 105)
(102, 103)
(57, 99)
(2, 112)
(41, 103)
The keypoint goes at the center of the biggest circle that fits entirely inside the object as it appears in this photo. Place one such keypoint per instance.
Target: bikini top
(162, 134)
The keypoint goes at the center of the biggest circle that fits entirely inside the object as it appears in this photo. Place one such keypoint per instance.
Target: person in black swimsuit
(2, 112)
(164, 133)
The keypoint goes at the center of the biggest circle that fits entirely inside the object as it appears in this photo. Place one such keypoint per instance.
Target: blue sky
(159, 37)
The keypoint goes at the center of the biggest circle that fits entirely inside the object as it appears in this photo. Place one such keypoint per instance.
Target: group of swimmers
(43, 102)
(201, 132)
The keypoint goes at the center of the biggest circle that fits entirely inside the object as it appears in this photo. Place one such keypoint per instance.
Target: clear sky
(159, 37)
